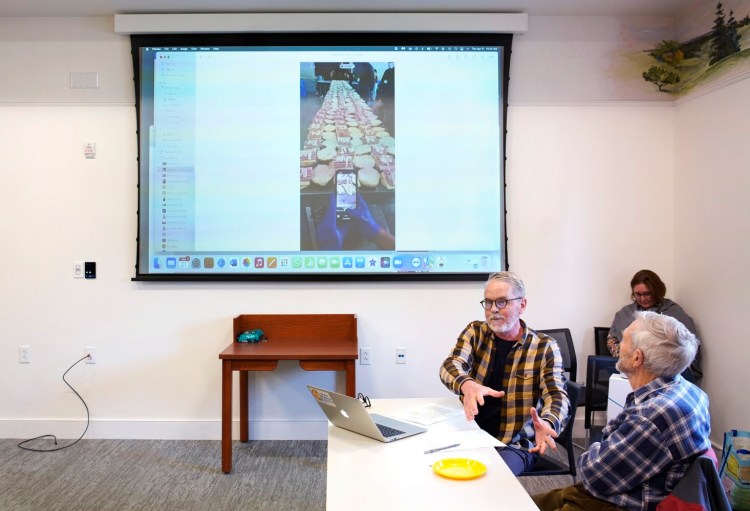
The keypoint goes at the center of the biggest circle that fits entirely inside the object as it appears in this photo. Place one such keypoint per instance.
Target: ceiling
(24, 8)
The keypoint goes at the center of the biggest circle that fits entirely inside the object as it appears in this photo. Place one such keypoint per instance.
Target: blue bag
(735, 469)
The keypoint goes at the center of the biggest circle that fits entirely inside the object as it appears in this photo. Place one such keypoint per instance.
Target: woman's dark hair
(652, 281)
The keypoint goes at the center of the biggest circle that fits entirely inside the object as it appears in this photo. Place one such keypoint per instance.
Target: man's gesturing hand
(544, 434)
(474, 397)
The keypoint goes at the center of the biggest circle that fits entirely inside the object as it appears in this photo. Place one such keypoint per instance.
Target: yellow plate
(459, 468)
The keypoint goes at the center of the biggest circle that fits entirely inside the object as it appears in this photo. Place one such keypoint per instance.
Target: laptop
(350, 413)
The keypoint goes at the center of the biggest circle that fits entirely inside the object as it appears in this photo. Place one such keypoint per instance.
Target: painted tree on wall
(726, 40)
(678, 66)
(670, 55)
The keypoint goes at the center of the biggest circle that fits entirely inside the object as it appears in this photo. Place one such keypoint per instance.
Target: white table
(365, 474)
(619, 388)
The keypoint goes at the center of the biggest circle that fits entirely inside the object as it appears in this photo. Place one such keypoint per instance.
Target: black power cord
(21, 444)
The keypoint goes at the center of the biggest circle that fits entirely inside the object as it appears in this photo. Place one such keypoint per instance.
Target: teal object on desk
(256, 335)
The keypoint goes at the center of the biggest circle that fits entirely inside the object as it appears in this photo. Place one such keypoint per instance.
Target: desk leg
(226, 416)
(351, 379)
(244, 430)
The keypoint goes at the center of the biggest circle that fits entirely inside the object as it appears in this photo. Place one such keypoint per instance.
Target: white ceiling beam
(487, 22)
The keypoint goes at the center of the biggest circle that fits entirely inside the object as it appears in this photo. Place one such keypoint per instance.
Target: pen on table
(436, 449)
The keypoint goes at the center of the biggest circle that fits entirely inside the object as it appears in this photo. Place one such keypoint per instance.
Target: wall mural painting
(677, 67)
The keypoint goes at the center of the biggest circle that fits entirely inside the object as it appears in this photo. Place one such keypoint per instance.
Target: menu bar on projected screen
(173, 153)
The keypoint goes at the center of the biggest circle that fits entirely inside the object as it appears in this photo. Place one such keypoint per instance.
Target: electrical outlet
(24, 354)
(91, 352)
(365, 356)
(401, 355)
(78, 270)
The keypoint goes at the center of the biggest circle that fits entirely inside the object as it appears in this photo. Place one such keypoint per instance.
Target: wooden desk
(321, 342)
(365, 474)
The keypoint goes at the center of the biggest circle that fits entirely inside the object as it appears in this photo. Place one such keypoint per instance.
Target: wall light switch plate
(365, 356)
(89, 150)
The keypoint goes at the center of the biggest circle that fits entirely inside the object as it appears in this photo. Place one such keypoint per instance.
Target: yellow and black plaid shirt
(532, 377)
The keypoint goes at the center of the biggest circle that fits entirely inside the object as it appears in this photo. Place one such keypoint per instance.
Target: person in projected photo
(384, 105)
(365, 76)
(337, 234)
(509, 377)
(663, 427)
(647, 292)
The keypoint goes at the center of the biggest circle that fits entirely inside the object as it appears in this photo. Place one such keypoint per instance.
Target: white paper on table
(467, 440)
(429, 414)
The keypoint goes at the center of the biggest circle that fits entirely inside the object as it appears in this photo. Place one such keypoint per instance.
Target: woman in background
(648, 294)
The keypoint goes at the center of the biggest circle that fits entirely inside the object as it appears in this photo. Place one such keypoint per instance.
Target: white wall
(585, 182)
(578, 208)
(712, 241)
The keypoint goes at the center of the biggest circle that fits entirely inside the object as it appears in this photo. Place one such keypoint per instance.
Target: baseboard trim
(184, 429)
(163, 429)
(580, 432)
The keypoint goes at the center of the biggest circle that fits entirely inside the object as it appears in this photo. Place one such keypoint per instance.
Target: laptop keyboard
(388, 432)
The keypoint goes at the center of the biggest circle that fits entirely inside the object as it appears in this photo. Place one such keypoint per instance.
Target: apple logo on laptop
(343, 412)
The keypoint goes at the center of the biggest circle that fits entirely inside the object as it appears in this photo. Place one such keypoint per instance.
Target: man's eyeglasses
(500, 303)
(647, 294)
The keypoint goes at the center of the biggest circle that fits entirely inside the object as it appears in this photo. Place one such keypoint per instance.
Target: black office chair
(700, 487)
(600, 340)
(598, 371)
(567, 349)
(550, 465)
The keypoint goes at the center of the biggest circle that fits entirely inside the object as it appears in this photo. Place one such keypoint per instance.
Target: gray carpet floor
(171, 475)
(163, 475)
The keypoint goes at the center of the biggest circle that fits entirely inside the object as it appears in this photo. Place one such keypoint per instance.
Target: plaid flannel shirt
(649, 446)
(532, 377)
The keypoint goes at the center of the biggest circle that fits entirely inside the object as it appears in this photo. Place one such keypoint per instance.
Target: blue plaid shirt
(648, 447)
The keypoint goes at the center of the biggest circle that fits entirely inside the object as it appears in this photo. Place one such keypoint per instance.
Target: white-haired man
(649, 446)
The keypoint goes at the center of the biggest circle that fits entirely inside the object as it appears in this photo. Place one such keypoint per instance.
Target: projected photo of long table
(347, 157)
